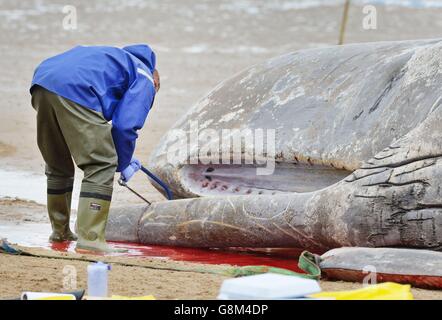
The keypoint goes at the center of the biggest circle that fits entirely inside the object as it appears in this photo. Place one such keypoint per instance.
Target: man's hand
(156, 80)
(130, 170)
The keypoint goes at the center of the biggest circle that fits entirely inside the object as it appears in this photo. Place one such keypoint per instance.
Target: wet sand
(198, 45)
(143, 277)
(130, 276)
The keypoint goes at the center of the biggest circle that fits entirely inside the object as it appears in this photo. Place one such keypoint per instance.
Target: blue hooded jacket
(115, 82)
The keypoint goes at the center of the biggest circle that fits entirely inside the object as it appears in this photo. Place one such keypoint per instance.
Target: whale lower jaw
(218, 179)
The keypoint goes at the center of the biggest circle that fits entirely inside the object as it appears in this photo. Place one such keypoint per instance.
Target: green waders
(66, 130)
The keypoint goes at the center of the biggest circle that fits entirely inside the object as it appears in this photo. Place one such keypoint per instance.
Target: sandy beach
(198, 45)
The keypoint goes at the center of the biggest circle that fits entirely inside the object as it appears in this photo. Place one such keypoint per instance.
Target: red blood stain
(281, 258)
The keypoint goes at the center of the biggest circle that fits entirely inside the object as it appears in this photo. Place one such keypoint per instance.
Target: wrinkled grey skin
(358, 151)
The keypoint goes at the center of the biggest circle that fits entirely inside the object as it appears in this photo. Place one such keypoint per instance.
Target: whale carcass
(357, 149)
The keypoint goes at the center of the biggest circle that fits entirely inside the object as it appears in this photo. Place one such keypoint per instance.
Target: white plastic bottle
(97, 279)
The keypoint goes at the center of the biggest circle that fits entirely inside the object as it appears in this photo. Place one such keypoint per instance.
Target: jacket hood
(144, 53)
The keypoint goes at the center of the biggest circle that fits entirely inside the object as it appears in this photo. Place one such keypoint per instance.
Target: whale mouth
(218, 179)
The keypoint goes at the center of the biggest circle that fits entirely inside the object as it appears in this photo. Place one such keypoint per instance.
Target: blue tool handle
(159, 181)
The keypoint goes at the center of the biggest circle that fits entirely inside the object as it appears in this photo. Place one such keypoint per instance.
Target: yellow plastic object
(150, 297)
(383, 291)
(29, 295)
